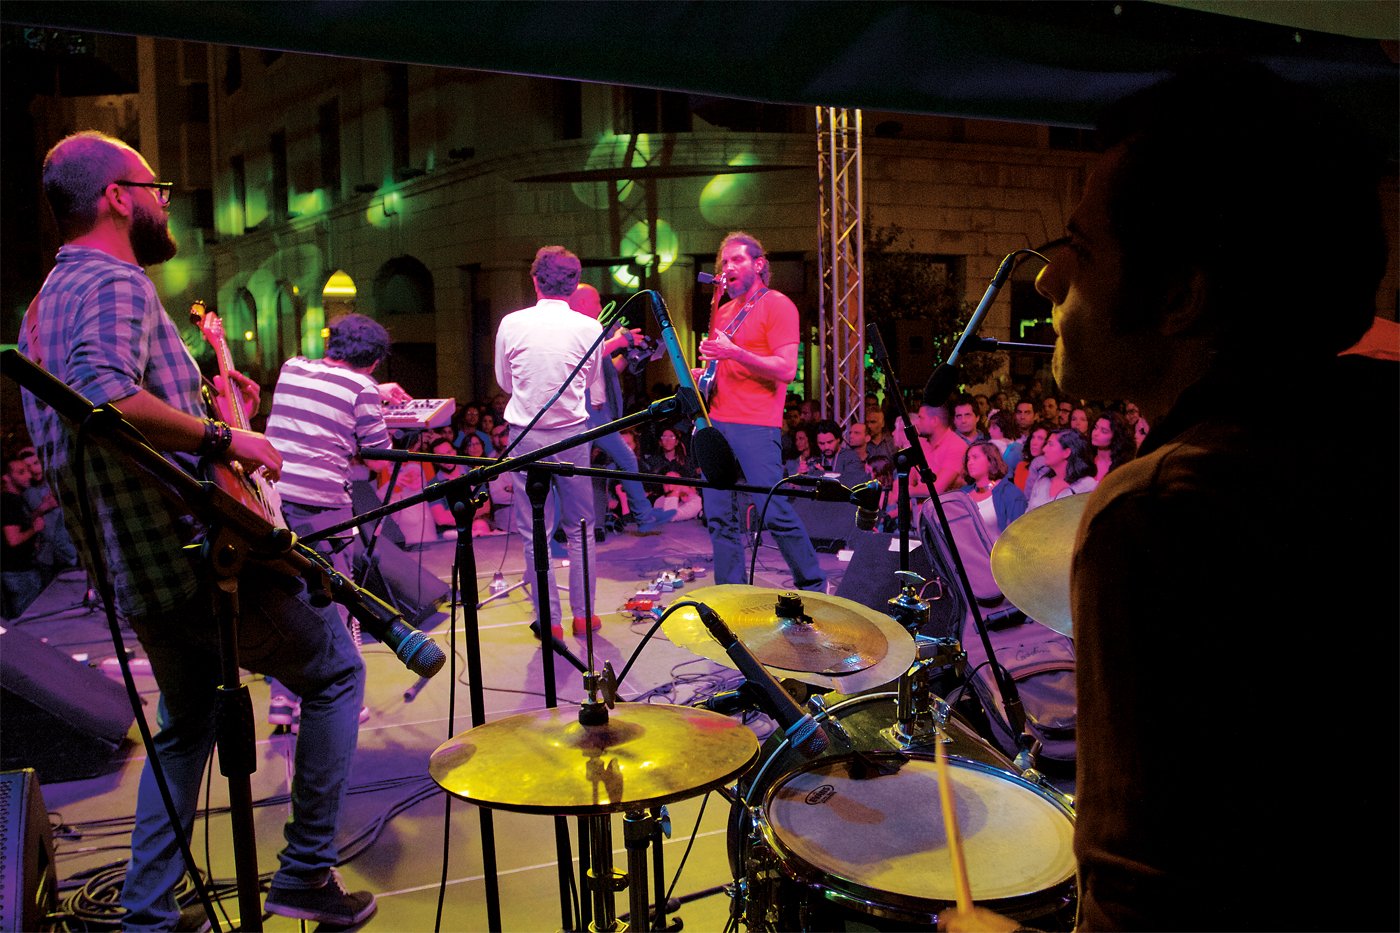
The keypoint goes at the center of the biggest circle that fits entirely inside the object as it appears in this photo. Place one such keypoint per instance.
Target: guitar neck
(230, 402)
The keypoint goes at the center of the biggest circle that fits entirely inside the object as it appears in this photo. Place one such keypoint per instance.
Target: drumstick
(950, 825)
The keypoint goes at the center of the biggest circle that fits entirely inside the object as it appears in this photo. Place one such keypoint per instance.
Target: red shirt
(739, 395)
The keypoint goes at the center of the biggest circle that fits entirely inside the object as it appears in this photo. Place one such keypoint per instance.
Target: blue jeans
(284, 637)
(20, 589)
(616, 448)
(574, 495)
(759, 451)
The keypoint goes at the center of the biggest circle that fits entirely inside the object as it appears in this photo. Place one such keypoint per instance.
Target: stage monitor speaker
(870, 579)
(399, 578)
(58, 716)
(28, 878)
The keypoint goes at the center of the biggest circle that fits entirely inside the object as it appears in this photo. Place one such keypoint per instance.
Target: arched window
(403, 286)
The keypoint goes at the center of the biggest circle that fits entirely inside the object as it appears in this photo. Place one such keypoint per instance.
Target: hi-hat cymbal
(827, 641)
(545, 761)
(1030, 561)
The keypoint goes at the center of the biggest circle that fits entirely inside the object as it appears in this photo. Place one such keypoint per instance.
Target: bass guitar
(254, 489)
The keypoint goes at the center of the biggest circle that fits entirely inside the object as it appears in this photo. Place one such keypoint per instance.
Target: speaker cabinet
(58, 716)
(28, 879)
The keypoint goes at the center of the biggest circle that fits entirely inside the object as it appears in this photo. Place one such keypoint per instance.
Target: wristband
(218, 437)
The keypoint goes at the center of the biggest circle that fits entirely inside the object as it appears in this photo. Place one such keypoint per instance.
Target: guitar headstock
(207, 321)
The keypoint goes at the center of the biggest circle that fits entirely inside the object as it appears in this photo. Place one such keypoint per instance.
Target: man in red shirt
(753, 341)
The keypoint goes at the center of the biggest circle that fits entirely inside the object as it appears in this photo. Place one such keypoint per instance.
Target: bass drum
(832, 844)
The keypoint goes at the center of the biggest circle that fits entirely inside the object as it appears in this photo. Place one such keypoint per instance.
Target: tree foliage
(903, 285)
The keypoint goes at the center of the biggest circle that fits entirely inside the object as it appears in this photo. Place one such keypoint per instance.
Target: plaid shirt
(102, 330)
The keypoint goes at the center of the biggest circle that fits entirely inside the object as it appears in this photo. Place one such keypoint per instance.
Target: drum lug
(1033, 776)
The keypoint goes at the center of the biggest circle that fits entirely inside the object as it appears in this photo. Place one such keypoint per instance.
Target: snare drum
(872, 851)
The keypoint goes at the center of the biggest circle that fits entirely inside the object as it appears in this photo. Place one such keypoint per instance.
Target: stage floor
(398, 836)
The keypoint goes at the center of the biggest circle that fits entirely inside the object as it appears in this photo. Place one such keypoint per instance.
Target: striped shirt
(321, 414)
(101, 329)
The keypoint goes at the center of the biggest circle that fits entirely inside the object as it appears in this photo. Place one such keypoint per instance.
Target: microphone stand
(936, 392)
(913, 456)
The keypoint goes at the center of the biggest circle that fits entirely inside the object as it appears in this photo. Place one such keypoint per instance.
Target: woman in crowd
(1113, 443)
(998, 499)
(1031, 462)
(671, 456)
(1069, 469)
(1007, 435)
(804, 438)
(1079, 419)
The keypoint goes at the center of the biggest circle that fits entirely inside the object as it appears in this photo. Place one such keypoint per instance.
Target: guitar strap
(733, 325)
(731, 328)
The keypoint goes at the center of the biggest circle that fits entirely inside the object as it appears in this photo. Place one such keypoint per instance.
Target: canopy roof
(1043, 62)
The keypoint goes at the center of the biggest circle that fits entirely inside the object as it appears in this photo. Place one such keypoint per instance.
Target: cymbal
(1030, 561)
(546, 761)
(833, 642)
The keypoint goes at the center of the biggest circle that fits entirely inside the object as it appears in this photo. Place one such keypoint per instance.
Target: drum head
(885, 833)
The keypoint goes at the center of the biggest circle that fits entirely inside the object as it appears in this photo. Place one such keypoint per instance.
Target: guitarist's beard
(151, 242)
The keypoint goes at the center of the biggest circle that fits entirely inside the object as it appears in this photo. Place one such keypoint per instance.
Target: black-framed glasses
(163, 189)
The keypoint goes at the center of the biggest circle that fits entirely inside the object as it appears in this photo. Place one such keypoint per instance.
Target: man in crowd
(1025, 416)
(22, 525)
(943, 449)
(858, 441)
(536, 350)
(98, 325)
(585, 301)
(880, 443)
(1148, 306)
(965, 420)
(753, 338)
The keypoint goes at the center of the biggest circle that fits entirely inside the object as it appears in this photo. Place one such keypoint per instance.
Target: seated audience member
(1113, 443)
(685, 500)
(1032, 463)
(998, 499)
(1069, 469)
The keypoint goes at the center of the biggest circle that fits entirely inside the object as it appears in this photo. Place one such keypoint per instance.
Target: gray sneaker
(330, 903)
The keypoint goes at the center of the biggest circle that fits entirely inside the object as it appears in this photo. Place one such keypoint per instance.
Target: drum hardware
(814, 845)
(753, 897)
(909, 608)
(1065, 799)
(624, 758)
(817, 639)
(920, 715)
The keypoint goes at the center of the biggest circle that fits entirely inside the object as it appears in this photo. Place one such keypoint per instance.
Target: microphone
(417, 651)
(864, 496)
(799, 726)
(560, 648)
(712, 451)
(940, 385)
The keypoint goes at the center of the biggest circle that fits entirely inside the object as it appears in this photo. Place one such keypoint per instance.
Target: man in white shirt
(536, 350)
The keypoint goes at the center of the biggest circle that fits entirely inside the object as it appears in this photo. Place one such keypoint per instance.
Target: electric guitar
(254, 489)
(706, 382)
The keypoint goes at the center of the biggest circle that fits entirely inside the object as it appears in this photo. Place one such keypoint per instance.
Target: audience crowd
(1011, 451)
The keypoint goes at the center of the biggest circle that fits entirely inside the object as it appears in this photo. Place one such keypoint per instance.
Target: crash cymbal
(827, 641)
(1030, 561)
(545, 761)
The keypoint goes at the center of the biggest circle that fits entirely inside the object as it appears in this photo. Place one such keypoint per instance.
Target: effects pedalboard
(648, 602)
